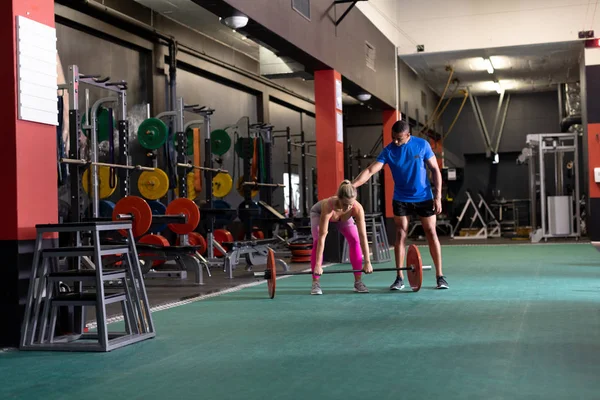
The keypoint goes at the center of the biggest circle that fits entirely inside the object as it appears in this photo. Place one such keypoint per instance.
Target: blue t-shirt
(407, 164)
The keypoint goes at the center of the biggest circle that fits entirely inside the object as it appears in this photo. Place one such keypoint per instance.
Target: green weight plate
(152, 133)
(220, 142)
(244, 147)
(190, 141)
(101, 124)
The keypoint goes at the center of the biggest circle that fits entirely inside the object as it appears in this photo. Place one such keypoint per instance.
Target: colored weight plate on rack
(240, 188)
(152, 133)
(153, 185)
(192, 194)
(190, 141)
(222, 236)
(157, 208)
(188, 208)
(222, 205)
(415, 276)
(106, 208)
(104, 189)
(244, 147)
(102, 115)
(196, 239)
(139, 209)
(222, 184)
(248, 210)
(220, 142)
(156, 240)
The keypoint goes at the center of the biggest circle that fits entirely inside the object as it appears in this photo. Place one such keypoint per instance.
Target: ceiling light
(236, 21)
(488, 65)
(364, 97)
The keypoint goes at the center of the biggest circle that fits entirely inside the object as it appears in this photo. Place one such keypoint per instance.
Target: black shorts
(422, 209)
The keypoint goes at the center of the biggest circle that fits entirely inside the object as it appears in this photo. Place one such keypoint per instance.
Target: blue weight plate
(223, 205)
(106, 208)
(157, 208)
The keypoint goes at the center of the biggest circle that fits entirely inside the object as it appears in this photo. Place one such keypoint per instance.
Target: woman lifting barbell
(341, 210)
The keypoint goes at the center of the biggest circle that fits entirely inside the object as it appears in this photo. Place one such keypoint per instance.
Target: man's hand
(318, 270)
(437, 205)
(368, 268)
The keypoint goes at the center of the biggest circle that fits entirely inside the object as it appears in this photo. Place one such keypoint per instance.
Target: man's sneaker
(441, 282)
(360, 287)
(398, 284)
(316, 288)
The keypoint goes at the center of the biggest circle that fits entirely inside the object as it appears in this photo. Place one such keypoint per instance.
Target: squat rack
(75, 78)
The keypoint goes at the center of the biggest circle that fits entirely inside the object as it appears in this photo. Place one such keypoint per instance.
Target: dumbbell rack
(44, 299)
(377, 237)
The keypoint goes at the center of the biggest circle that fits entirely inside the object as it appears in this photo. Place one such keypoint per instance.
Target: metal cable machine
(559, 212)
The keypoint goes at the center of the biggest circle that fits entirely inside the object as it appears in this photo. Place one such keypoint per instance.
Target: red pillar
(330, 142)
(389, 118)
(29, 170)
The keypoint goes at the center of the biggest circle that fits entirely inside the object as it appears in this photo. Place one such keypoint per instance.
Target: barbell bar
(263, 184)
(414, 270)
(202, 168)
(102, 164)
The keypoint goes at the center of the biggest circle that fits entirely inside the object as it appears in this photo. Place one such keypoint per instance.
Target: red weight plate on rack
(139, 209)
(156, 240)
(222, 236)
(271, 283)
(197, 239)
(415, 276)
(188, 208)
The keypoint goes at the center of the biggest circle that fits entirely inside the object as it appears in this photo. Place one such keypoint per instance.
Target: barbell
(182, 215)
(102, 164)
(414, 270)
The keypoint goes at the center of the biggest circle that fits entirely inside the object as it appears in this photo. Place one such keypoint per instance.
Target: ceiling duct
(570, 102)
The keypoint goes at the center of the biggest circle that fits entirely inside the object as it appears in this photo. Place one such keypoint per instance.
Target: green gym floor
(518, 322)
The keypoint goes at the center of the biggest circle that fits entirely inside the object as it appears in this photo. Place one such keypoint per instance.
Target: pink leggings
(350, 232)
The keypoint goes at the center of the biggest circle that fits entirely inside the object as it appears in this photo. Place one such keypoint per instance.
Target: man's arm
(366, 174)
(437, 177)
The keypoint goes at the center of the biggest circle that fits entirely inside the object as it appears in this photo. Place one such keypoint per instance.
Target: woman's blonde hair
(346, 190)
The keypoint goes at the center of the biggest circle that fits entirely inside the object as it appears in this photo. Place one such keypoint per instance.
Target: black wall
(527, 113)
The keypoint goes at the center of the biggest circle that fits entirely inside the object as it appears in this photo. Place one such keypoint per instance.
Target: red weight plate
(197, 239)
(300, 253)
(271, 283)
(156, 240)
(139, 209)
(300, 259)
(188, 208)
(415, 276)
(220, 236)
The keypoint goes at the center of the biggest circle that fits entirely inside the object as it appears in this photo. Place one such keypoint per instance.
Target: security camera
(236, 21)
(364, 97)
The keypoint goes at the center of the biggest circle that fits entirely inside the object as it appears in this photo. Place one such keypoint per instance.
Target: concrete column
(329, 136)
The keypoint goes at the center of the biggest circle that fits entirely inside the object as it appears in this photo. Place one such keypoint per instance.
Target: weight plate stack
(301, 251)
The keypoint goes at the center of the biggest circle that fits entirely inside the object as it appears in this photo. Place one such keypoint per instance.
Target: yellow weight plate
(240, 188)
(104, 189)
(222, 184)
(153, 185)
(190, 187)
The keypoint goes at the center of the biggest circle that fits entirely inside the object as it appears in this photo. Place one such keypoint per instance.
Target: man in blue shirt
(407, 157)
